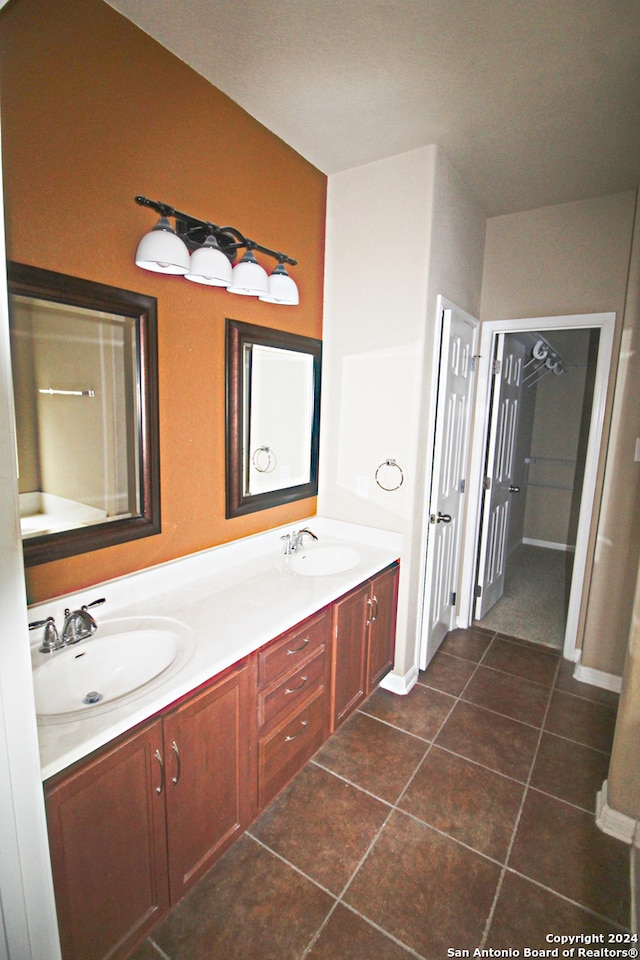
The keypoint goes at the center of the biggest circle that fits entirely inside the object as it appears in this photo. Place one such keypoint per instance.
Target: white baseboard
(395, 683)
(549, 544)
(597, 678)
(611, 821)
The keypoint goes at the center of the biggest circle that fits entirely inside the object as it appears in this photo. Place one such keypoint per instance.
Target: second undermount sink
(123, 658)
(321, 560)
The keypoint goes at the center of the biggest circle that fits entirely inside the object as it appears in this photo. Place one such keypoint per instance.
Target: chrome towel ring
(398, 478)
(263, 460)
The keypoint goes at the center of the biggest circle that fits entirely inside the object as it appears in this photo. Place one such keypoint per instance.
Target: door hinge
(473, 364)
(463, 484)
(486, 483)
(453, 600)
(478, 591)
(497, 366)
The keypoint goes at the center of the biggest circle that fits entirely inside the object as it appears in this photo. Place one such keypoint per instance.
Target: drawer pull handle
(295, 689)
(296, 735)
(158, 757)
(298, 649)
(174, 747)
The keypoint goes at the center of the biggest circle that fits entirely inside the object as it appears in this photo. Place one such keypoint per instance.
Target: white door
(499, 474)
(448, 479)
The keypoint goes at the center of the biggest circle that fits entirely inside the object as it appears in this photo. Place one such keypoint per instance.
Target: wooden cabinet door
(206, 747)
(108, 851)
(383, 603)
(349, 653)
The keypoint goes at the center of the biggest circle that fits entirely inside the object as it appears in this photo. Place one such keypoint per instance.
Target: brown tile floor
(459, 816)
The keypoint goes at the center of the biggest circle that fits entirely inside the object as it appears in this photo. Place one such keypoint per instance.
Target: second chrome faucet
(294, 540)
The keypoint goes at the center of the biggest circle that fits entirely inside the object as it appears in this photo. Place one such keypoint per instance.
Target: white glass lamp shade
(162, 251)
(209, 265)
(282, 289)
(248, 278)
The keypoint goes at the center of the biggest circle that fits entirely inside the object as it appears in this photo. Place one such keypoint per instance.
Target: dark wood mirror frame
(47, 285)
(238, 335)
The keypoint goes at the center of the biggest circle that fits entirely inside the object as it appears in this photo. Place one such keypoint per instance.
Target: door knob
(513, 488)
(441, 518)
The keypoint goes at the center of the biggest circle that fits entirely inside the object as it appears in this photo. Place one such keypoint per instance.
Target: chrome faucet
(78, 624)
(293, 541)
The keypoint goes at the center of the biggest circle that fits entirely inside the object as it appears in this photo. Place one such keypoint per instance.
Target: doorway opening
(540, 415)
(533, 474)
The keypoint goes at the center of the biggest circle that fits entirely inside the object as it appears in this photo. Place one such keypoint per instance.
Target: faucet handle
(51, 640)
(286, 538)
(94, 603)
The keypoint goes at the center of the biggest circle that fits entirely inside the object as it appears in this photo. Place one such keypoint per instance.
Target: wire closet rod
(66, 393)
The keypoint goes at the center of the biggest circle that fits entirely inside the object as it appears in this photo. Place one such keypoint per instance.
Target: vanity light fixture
(204, 253)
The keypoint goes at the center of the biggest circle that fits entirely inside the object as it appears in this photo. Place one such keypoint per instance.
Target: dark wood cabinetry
(134, 827)
(383, 608)
(207, 776)
(293, 684)
(108, 848)
(363, 641)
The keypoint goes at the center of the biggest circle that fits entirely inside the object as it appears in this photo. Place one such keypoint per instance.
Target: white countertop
(234, 598)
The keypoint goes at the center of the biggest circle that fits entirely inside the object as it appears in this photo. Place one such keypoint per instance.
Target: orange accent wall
(95, 112)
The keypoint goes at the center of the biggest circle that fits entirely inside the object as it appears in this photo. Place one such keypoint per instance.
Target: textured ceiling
(536, 102)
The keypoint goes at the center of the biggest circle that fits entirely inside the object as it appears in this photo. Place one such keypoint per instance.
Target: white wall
(399, 232)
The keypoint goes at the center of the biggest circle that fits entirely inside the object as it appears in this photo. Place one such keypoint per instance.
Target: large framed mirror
(273, 417)
(84, 363)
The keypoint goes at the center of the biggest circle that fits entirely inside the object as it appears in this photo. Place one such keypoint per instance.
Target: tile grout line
(394, 809)
(161, 953)
(514, 832)
(562, 896)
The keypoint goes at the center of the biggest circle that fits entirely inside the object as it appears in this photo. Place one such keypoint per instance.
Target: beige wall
(617, 553)
(572, 258)
(623, 792)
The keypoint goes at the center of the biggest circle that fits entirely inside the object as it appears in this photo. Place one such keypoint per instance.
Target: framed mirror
(273, 417)
(84, 361)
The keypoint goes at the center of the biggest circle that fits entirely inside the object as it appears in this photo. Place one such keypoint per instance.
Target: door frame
(605, 323)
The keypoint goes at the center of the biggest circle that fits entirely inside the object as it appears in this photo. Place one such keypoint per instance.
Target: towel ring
(390, 463)
(264, 460)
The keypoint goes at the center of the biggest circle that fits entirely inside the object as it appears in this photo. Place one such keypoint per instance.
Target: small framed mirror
(273, 417)
(84, 361)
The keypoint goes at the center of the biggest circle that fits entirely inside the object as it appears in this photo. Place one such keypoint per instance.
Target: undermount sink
(124, 657)
(321, 560)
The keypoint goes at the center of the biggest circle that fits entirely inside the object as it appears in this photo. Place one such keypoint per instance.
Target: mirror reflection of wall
(273, 417)
(73, 392)
(280, 404)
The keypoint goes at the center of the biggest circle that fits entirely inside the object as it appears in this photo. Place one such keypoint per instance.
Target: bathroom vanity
(147, 804)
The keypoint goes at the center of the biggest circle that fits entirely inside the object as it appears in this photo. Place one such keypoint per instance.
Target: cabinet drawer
(285, 654)
(292, 690)
(286, 750)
